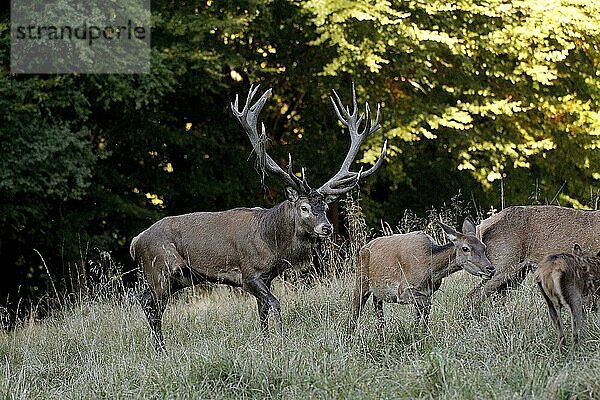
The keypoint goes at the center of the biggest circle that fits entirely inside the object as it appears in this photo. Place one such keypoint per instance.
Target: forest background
(495, 100)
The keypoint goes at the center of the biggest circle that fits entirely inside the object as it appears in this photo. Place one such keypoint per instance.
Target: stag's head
(469, 250)
(311, 213)
(311, 204)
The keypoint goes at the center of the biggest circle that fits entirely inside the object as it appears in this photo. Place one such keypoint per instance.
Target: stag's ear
(291, 194)
(451, 234)
(577, 249)
(330, 199)
(468, 227)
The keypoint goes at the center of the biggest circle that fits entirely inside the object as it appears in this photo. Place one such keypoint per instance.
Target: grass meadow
(102, 349)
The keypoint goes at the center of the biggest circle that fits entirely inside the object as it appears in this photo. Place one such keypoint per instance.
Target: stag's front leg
(263, 315)
(266, 302)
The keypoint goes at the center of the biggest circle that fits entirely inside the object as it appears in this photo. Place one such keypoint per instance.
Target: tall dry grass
(101, 347)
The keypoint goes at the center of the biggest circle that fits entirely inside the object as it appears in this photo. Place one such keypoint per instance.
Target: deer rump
(568, 280)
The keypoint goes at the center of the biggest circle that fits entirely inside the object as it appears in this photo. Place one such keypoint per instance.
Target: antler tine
(248, 117)
(344, 180)
(378, 163)
(370, 128)
(337, 105)
(347, 118)
(302, 183)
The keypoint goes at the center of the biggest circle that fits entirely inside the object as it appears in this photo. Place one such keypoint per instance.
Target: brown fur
(565, 279)
(248, 247)
(245, 247)
(518, 238)
(408, 268)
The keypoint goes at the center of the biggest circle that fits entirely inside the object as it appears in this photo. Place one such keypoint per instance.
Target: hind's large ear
(468, 227)
(577, 249)
(451, 234)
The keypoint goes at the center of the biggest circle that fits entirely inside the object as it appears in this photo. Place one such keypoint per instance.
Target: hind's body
(565, 279)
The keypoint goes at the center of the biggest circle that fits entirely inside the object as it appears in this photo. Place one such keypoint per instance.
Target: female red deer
(248, 247)
(565, 279)
(519, 237)
(408, 268)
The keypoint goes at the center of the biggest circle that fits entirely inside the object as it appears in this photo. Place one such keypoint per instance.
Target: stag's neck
(278, 224)
(279, 227)
(443, 263)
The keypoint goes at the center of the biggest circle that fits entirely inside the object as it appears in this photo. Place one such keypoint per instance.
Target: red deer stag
(248, 247)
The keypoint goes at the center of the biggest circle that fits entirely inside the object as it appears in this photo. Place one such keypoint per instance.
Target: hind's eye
(466, 249)
(304, 209)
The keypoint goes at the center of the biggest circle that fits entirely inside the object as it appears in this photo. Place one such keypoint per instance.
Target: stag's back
(203, 240)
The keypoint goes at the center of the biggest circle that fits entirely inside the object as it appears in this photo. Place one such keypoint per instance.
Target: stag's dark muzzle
(324, 230)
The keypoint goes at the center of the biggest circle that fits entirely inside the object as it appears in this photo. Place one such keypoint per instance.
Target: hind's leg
(554, 317)
(421, 301)
(423, 310)
(361, 295)
(154, 307)
(575, 306)
(378, 304)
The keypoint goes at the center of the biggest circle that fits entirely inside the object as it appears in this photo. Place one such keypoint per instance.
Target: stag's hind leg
(163, 274)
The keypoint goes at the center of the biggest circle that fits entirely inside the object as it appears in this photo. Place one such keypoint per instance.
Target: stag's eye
(303, 208)
(465, 249)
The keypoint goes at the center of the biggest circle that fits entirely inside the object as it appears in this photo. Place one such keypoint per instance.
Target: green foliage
(496, 86)
(44, 160)
(497, 100)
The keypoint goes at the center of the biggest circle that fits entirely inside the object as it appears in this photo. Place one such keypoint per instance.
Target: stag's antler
(248, 117)
(345, 180)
